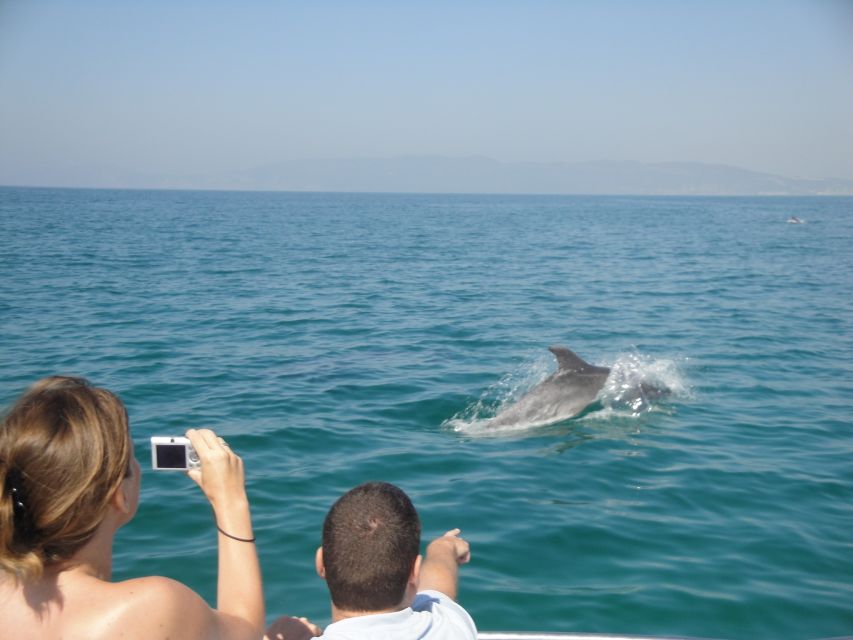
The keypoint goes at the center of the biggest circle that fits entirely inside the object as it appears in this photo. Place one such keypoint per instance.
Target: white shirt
(432, 616)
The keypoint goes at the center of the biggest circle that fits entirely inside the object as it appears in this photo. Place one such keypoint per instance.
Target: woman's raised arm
(240, 599)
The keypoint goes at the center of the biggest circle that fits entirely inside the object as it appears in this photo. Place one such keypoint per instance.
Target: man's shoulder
(429, 598)
(451, 620)
(432, 616)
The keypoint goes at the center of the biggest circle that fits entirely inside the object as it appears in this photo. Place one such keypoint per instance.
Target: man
(380, 587)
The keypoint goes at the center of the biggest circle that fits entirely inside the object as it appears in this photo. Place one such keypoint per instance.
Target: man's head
(371, 540)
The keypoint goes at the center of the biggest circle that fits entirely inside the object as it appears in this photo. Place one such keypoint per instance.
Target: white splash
(637, 381)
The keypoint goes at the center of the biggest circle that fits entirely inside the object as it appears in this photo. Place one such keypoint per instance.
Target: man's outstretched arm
(440, 568)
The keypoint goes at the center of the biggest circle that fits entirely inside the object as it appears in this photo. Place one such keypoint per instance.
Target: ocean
(340, 338)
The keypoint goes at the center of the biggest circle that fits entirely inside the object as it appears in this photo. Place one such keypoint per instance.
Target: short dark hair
(371, 539)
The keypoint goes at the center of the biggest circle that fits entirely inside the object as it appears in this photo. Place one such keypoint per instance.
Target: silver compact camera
(173, 453)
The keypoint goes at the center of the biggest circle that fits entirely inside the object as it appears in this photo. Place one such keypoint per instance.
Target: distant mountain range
(438, 174)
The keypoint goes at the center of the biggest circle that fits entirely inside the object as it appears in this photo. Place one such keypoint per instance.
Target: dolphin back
(568, 360)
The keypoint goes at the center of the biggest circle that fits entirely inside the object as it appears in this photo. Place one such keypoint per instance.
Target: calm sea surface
(339, 338)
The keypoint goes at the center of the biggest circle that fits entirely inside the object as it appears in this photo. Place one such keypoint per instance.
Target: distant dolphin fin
(568, 360)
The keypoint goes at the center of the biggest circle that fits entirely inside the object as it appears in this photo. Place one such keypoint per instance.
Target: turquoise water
(337, 338)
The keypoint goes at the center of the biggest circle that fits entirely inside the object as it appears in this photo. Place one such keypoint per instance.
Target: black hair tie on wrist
(228, 535)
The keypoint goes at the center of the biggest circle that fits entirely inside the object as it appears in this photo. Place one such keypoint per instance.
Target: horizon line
(426, 193)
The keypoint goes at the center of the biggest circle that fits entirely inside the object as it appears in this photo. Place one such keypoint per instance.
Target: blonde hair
(65, 448)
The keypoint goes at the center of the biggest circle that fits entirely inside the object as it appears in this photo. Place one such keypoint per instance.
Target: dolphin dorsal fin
(568, 360)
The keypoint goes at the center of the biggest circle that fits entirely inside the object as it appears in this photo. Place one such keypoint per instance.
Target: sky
(93, 89)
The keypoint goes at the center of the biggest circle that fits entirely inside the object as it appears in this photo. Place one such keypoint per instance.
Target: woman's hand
(221, 476)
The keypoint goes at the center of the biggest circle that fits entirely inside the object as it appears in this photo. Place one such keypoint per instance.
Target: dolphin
(564, 394)
(567, 392)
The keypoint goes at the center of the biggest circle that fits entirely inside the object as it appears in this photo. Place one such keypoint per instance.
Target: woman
(69, 480)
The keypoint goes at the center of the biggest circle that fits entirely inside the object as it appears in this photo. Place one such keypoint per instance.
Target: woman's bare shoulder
(156, 588)
(155, 607)
(142, 608)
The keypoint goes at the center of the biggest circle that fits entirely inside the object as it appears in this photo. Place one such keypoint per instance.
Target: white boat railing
(521, 635)
(515, 635)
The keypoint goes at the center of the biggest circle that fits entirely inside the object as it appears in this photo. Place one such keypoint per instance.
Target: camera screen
(171, 456)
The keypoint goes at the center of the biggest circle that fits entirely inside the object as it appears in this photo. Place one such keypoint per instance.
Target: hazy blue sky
(88, 87)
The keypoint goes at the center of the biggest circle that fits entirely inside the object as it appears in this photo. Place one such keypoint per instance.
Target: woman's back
(58, 606)
(72, 605)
